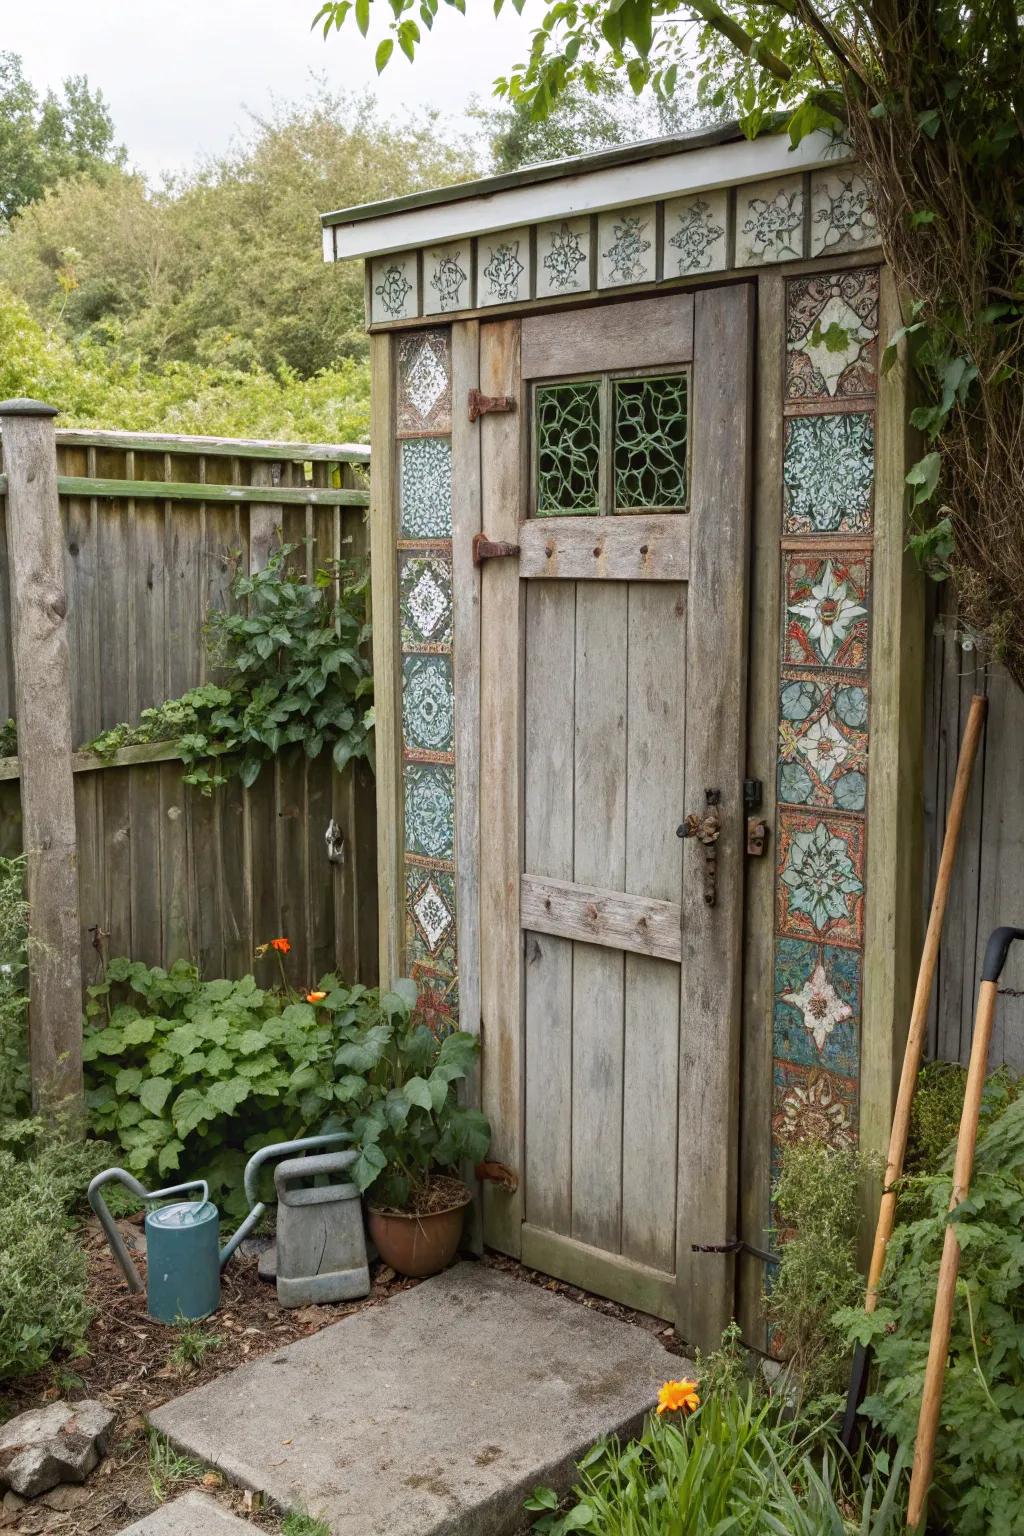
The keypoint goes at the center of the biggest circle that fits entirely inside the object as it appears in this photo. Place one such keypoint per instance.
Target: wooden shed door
(612, 706)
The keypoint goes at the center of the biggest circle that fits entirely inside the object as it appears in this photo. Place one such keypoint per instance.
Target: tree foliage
(45, 139)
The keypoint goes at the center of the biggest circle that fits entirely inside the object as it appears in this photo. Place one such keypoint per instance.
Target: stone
(436, 1412)
(65, 1496)
(14, 1503)
(60, 1443)
(193, 1514)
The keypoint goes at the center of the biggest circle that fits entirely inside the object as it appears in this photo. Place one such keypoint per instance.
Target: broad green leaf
(154, 1092)
(138, 1031)
(250, 1041)
(417, 1091)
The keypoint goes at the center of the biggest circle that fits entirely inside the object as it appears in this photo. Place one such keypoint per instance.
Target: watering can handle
(252, 1168)
(108, 1224)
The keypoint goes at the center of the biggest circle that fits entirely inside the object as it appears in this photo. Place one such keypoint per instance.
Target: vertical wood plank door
(613, 699)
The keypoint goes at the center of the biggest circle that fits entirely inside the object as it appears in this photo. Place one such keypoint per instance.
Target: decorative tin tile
(842, 212)
(813, 1104)
(430, 810)
(428, 706)
(823, 741)
(394, 287)
(696, 234)
(826, 617)
(430, 928)
(447, 278)
(437, 1002)
(832, 335)
(770, 222)
(817, 1005)
(425, 488)
(627, 251)
(425, 601)
(424, 383)
(563, 257)
(828, 473)
(820, 892)
(503, 267)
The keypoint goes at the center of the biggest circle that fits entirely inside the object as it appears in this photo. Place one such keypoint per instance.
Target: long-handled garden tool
(913, 1052)
(963, 1166)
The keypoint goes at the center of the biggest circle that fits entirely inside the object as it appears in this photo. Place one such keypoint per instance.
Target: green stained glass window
(650, 442)
(568, 446)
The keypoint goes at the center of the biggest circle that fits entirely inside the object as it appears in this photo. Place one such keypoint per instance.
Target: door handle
(707, 830)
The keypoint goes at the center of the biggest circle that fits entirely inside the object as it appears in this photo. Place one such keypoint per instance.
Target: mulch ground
(129, 1367)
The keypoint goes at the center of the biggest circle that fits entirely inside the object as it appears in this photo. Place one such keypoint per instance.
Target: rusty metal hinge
(484, 405)
(736, 1245)
(491, 549)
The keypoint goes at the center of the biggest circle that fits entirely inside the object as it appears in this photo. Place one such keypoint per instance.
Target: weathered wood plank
(230, 447)
(614, 919)
(387, 671)
(639, 333)
(639, 547)
(606, 1274)
(182, 491)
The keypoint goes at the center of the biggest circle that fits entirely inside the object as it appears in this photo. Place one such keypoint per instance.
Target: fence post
(43, 694)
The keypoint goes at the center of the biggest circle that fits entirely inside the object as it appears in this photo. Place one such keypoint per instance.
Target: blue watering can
(183, 1254)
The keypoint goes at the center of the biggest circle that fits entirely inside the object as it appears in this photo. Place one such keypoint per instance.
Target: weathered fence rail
(152, 530)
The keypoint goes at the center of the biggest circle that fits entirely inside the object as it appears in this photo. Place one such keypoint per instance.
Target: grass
(167, 1467)
(298, 1524)
(192, 1346)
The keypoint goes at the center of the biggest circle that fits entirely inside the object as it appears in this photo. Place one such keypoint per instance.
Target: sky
(178, 75)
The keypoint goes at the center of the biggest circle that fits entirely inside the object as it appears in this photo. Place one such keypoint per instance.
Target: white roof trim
(617, 186)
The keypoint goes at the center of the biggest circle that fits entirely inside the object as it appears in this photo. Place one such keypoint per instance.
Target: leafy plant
(192, 1345)
(979, 1467)
(938, 1102)
(291, 663)
(296, 1523)
(167, 1466)
(14, 1072)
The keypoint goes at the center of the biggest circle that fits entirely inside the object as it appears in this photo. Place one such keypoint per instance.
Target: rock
(14, 1503)
(61, 1443)
(65, 1496)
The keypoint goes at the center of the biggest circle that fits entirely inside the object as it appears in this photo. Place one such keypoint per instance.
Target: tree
(42, 141)
(930, 93)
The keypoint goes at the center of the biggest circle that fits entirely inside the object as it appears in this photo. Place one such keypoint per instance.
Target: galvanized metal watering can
(183, 1258)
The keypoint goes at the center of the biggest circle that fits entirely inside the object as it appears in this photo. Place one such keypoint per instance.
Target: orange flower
(678, 1397)
(315, 997)
(283, 946)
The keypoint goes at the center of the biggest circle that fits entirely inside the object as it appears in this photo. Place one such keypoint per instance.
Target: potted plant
(413, 1134)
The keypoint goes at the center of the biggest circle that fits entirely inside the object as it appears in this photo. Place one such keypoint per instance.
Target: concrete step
(193, 1514)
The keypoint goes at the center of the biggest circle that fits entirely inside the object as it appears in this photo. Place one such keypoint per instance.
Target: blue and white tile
(425, 601)
(428, 706)
(828, 473)
(425, 488)
(696, 234)
(843, 214)
(770, 221)
(448, 277)
(817, 1005)
(430, 811)
(394, 287)
(627, 247)
(430, 919)
(503, 267)
(564, 258)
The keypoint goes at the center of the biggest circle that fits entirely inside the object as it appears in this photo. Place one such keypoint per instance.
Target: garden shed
(649, 662)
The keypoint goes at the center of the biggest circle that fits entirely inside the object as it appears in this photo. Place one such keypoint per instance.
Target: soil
(442, 1193)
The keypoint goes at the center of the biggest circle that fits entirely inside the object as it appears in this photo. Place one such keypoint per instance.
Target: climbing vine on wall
(290, 665)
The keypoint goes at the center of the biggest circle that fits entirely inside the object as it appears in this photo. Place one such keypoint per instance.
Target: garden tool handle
(108, 1224)
(252, 1168)
(996, 951)
(305, 1167)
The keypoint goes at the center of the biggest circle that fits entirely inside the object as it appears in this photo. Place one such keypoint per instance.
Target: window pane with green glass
(650, 442)
(568, 445)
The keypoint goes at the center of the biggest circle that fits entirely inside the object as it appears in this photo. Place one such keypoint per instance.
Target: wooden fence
(153, 530)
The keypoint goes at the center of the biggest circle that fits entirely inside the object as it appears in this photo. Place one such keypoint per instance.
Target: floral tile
(696, 234)
(425, 601)
(394, 287)
(447, 278)
(820, 890)
(823, 744)
(428, 706)
(425, 487)
(817, 1006)
(832, 335)
(828, 474)
(627, 249)
(430, 810)
(424, 383)
(813, 1104)
(430, 922)
(826, 615)
(842, 212)
(437, 1002)
(563, 257)
(503, 267)
(770, 222)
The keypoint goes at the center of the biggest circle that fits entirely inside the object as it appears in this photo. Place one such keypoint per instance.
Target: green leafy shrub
(190, 1077)
(291, 664)
(14, 1073)
(938, 1102)
(979, 1466)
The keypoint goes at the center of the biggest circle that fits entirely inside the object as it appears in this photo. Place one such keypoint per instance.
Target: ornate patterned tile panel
(437, 1005)
(394, 287)
(428, 706)
(425, 490)
(430, 811)
(563, 257)
(832, 335)
(828, 473)
(770, 222)
(430, 919)
(627, 249)
(842, 212)
(503, 267)
(825, 623)
(823, 743)
(424, 383)
(820, 891)
(696, 234)
(818, 990)
(425, 601)
(813, 1104)
(448, 277)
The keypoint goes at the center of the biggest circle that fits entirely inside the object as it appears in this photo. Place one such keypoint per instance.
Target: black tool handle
(996, 951)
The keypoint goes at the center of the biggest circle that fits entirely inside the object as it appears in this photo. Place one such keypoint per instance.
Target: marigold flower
(283, 946)
(315, 997)
(678, 1397)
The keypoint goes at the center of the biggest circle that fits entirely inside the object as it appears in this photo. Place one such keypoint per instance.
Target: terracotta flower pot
(420, 1244)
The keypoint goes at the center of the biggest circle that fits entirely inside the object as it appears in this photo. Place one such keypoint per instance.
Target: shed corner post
(43, 694)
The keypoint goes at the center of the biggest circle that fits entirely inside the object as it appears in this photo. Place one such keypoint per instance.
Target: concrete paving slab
(194, 1514)
(433, 1414)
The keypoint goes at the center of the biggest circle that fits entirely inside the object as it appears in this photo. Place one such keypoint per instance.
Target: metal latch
(491, 549)
(757, 836)
(736, 1245)
(484, 405)
(707, 830)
